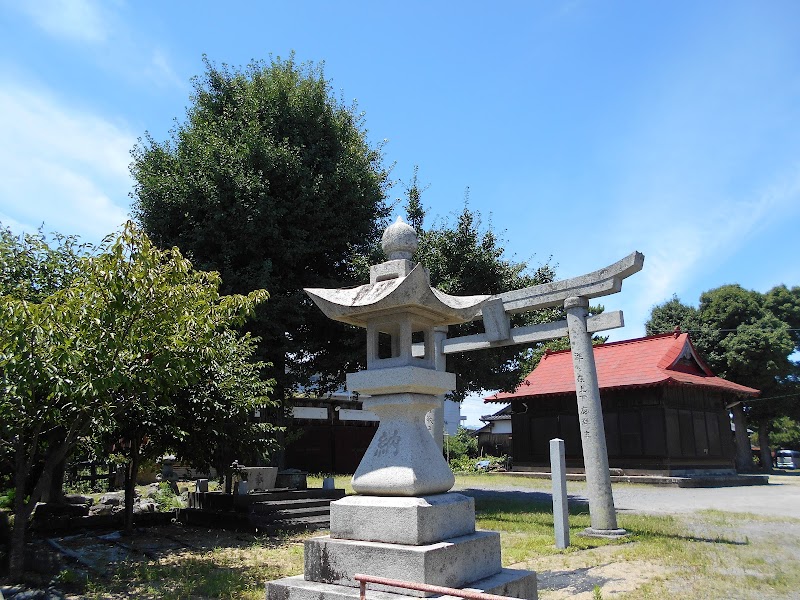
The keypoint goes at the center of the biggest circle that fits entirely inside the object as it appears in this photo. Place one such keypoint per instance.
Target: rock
(10, 590)
(29, 595)
(100, 509)
(151, 490)
(113, 498)
(17, 593)
(78, 499)
(144, 506)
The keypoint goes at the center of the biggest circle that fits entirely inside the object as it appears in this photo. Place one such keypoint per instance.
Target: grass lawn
(708, 554)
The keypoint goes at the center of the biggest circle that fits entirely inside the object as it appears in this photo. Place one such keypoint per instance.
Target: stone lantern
(398, 308)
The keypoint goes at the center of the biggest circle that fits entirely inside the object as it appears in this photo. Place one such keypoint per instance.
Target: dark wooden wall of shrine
(669, 426)
(329, 448)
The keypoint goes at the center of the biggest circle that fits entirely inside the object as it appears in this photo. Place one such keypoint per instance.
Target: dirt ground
(771, 523)
(764, 519)
(575, 576)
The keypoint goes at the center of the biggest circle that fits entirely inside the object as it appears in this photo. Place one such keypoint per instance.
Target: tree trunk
(278, 458)
(23, 463)
(54, 492)
(16, 558)
(22, 511)
(763, 442)
(744, 456)
(131, 474)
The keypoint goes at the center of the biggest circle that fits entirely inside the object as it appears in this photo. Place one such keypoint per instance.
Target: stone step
(310, 523)
(253, 522)
(318, 493)
(277, 505)
(221, 519)
(296, 513)
(221, 501)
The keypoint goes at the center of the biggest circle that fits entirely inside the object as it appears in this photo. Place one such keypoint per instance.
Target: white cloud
(474, 408)
(106, 26)
(78, 20)
(685, 243)
(161, 72)
(61, 166)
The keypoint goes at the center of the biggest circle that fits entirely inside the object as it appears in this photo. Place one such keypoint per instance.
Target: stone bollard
(558, 475)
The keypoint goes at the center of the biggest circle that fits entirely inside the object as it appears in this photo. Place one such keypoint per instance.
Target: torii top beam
(602, 282)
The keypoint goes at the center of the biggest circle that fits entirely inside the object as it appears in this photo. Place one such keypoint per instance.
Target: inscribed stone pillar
(590, 418)
(558, 476)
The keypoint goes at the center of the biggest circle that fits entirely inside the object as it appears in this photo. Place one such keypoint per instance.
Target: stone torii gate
(400, 241)
(574, 294)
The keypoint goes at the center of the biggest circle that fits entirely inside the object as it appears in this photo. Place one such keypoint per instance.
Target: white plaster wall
(501, 427)
(309, 412)
(349, 414)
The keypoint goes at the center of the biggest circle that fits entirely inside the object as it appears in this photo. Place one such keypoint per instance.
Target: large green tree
(747, 337)
(271, 181)
(131, 327)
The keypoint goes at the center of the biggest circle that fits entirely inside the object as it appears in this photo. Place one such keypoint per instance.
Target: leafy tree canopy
(785, 433)
(32, 269)
(133, 326)
(270, 180)
(671, 314)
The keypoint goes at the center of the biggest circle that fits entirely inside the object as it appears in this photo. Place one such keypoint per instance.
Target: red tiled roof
(667, 359)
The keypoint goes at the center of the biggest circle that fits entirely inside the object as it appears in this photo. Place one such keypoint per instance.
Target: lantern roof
(405, 294)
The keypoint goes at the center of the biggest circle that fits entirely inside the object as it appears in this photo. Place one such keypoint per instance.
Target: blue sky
(584, 130)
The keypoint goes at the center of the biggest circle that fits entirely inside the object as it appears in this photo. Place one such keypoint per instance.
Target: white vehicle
(788, 459)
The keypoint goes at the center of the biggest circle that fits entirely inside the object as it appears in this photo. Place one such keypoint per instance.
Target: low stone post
(558, 476)
(590, 419)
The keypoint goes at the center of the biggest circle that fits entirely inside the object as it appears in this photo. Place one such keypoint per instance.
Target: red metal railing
(363, 580)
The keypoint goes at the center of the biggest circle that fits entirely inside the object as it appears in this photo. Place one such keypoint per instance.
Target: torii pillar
(590, 418)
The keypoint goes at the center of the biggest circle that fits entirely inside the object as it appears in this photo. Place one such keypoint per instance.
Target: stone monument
(403, 523)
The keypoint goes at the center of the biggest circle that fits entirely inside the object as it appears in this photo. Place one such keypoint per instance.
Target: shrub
(7, 499)
(462, 444)
(166, 499)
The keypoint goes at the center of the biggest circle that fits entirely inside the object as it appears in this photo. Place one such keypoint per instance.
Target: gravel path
(781, 498)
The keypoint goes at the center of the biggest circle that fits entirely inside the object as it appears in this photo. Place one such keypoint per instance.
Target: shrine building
(664, 411)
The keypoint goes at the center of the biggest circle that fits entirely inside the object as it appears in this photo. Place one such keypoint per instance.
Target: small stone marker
(201, 485)
(259, 478)
(558, 473)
